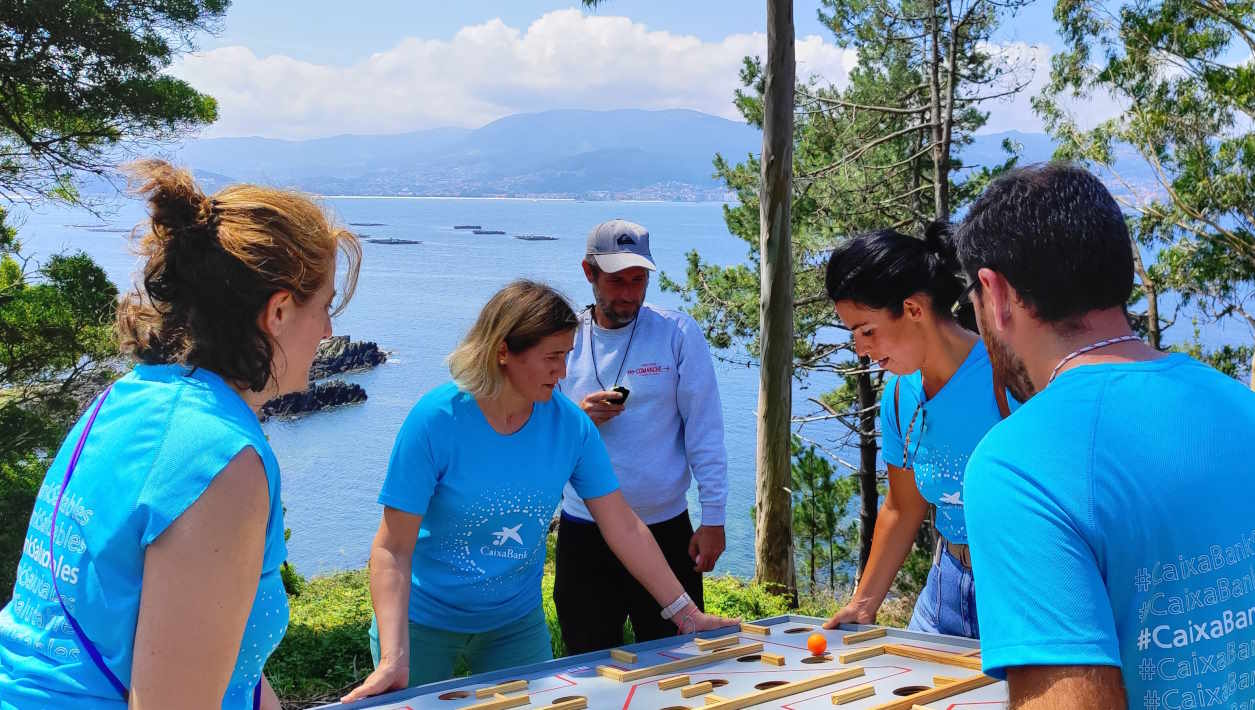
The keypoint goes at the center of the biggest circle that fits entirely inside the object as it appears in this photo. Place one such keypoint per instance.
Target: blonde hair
(212, 263)
(519, 315)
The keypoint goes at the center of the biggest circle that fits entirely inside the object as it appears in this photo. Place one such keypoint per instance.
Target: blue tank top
(162, 435)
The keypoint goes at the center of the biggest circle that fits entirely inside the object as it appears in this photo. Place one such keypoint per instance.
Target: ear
(277, 313)
(502, 353)
(1000, 296)
(588, 271)
(914, 308)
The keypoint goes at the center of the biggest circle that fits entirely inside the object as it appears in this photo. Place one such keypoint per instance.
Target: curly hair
(212, 263)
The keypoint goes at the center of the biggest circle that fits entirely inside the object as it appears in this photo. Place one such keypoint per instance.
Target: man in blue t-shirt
(1111, 521)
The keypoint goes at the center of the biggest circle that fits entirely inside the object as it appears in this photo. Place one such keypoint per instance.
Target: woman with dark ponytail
(899, 297)
(150, 572)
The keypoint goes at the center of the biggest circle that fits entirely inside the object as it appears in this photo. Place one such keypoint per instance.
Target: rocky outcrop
(340, 354)
(335, 355)
(320, 396)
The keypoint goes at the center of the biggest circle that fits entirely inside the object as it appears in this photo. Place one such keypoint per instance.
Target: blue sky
(295, 70)
(336, 32)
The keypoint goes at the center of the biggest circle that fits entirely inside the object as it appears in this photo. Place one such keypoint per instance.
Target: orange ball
(817, 644)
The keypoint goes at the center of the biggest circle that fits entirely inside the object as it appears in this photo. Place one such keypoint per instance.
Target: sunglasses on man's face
(964, 298)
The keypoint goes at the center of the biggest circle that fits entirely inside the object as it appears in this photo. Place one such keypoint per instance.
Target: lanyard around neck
(592, 351)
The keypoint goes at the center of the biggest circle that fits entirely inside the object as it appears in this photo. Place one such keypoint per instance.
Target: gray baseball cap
(617, 245)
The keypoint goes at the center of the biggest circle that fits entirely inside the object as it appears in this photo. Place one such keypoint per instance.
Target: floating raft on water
(467, 226)
(535, 237)
(390, 240)
(488, 231)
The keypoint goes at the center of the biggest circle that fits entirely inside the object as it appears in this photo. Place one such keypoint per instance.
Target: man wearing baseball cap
(644, 375)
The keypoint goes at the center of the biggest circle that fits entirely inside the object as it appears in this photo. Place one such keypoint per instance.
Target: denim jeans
(947, 605)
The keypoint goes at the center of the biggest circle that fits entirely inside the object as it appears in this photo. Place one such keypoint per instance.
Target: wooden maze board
(764, 664)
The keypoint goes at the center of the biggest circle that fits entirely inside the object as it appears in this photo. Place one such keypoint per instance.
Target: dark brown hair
(211, 265)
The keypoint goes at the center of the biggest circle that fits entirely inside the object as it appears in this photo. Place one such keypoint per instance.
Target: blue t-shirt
(1112, 523)
(947, 429)
(161, 437)
(486, 501)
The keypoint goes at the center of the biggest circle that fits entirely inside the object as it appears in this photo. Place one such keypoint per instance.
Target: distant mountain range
(624, 154)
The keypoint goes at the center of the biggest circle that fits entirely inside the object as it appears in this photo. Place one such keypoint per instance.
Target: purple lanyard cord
(52, 531)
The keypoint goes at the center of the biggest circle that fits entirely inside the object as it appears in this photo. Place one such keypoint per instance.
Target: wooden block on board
(861, 636)
(773, 659)
(678, 681)
(622, 656)
(715, 644)
(501, 702)
(623, 676)
(511, 687)
(712, 699)
(945, 691)
(755, 629)
(944, 680)
(856, 693)
(860, 654)
(926, 654)
(572, 704)
(689, 691)
(973, 652)
(781, 691)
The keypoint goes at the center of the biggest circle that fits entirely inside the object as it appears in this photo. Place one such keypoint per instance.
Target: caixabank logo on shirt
(507, 543)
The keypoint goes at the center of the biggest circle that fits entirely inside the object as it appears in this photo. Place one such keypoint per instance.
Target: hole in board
(798, 630)
(910, 689)
(454, 695)
(770, 684)
(750, 658)
(817, 659)
(565, 698)
(717, 682)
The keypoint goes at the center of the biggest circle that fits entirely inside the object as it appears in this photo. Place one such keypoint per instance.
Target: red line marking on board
(568, 682)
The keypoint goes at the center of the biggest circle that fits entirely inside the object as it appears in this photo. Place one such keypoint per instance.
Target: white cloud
(564, 59)
(1029, 64)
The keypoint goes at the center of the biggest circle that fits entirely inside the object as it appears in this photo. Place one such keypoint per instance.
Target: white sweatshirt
(671, 429)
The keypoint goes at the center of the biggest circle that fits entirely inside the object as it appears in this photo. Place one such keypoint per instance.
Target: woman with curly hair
(150, 572)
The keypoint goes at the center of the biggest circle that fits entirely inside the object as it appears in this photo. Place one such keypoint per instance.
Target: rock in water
(320, 396)
(340, 354)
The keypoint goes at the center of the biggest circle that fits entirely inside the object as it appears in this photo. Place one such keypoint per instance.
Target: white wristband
(676, 606)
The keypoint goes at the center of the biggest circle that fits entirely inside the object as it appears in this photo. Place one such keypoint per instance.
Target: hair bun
(938, 242)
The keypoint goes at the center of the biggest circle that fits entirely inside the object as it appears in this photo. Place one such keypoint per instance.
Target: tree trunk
(1153, 334)
(773, 543)
(941, 175)
(867, 463)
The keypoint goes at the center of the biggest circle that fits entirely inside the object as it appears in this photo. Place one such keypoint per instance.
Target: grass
(326, 652)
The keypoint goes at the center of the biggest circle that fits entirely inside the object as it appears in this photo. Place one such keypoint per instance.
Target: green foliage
(824, 536)
(326, 650)
(84, 78)
(1190, 106)
(56, 323)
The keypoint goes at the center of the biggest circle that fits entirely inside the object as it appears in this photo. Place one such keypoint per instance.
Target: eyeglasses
(965, 297)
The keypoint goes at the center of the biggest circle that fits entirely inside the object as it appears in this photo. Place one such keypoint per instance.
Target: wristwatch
(677, 606)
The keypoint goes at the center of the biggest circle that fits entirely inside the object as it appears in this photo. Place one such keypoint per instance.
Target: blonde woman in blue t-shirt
(898, 295)
(150, 573)
(475, 477)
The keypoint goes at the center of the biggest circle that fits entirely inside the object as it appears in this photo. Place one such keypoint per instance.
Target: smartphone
(624, 392)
